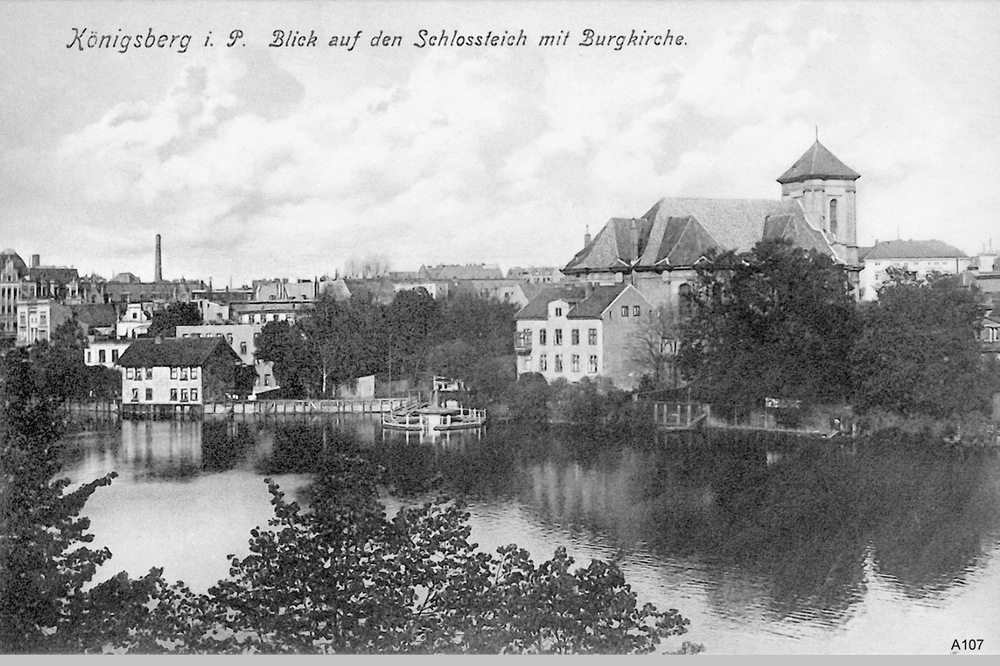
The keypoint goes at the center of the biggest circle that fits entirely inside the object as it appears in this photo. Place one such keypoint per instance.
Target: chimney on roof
(586, 236)
(36, 260)
(158, 271)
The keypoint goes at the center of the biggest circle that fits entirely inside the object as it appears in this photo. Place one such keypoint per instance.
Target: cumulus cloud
(251, 163)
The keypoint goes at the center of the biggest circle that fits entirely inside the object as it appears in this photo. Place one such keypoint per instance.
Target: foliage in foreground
(340, 577)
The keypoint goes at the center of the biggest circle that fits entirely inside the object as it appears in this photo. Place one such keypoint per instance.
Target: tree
(918, 351)
(776, 321)
(414, 322)
(343, 577)
(283, 344)
(166, 321)
(58, 363)
(44, 558)
(655, 344)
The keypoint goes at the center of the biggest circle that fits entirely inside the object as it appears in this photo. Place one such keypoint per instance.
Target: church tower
(825, 188)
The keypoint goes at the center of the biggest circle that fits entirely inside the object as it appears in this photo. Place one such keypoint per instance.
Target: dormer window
(559, 312)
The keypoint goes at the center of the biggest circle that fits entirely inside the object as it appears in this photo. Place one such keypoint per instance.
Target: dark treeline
(781, 322)
(414, 337)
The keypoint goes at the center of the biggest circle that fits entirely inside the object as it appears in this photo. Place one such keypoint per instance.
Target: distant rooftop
(910, 249)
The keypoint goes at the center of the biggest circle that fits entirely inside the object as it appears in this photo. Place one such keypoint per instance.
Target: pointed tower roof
(818, 162)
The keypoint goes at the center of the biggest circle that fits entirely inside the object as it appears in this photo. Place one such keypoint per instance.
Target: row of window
(574, 336)
(175, 373)
(102, 355)
(176, 395)
(557, 363)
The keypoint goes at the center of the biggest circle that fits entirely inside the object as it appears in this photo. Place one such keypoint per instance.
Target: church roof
(678, 232)
(911, 249)
(818, 162)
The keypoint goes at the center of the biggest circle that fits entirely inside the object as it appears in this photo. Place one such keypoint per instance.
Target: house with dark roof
(658, 251)
(577, 331)
(918, 257)
(179, 371)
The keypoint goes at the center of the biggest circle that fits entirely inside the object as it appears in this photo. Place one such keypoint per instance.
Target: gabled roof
(612, 246)
(735, 224)
(96, 314)
(598, 302)
(818, 162)
(538, 307)
(175, 352)
(911, 249)
(795, 229)
(680, 241)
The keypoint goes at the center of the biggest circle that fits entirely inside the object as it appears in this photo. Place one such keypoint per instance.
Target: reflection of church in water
(658, 251)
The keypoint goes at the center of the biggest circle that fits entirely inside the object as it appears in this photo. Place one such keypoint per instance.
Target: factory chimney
(158, 272)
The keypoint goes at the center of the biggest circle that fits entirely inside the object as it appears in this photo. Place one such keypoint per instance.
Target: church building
(658, 251)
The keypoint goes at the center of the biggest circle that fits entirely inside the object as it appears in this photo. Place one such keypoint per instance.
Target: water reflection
(749, 531)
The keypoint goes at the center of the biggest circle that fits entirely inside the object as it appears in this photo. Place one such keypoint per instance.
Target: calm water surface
(767, 545)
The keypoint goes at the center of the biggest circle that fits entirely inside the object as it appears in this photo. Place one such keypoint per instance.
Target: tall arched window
(833, 216)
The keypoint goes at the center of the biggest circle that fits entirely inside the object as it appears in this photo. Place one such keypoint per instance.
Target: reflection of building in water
(161, 445)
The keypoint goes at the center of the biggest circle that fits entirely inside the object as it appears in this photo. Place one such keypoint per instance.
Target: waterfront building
(658, 251)
(577, 331)
(178, 371)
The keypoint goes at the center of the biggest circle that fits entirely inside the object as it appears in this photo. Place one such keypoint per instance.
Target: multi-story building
(135, 320)
(536, 274)
(578, 331)
(178, 371)
(242, 338)
(38, 318)
(658, 251)
(915, 257)
(104, 352)
(13, 288)
(262, 312)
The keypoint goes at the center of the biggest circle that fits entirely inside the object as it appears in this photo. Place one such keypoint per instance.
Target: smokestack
(36, 260)
(158, 272)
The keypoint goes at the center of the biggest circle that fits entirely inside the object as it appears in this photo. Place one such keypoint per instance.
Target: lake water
(767, 544)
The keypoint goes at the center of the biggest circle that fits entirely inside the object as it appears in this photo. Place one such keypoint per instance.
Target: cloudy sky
(254, 161)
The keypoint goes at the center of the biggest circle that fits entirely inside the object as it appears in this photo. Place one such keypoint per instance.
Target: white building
(917, 257)
(105, 352)
(582, 331)
(135, 320)
(178, 371)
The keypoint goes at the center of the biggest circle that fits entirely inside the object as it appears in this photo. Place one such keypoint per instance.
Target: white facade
(575, 341)
(875, 273)
(162, 385)
(561, 347)
(135, 321)
(104, 353)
